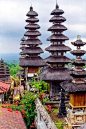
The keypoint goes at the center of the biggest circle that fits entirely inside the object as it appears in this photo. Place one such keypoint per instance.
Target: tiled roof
(4, 86)
(11, 120)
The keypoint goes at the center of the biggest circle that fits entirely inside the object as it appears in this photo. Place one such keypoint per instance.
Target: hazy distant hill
(9, 57)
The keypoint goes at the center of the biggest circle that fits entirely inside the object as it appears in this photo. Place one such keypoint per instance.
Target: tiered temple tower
(56, 72)
(4, 72)
(77, 89)
(22, 47)
(30, 54)
(7, 71)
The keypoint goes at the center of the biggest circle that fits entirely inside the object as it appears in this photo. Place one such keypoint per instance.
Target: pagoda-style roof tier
(57, 59)
(73, 87)
(32, 62)
(23, 39)
(2, 63)
(57, 19)
(22, 48)
(2, 74)
(57, 27)
(50, 74)
(32, 33)
(7, 74)
(32, 50)
(7, 68)
(58, 48)
(32, 20)
(78, 74)
(32, 26)
(31, 42)
(2, 68)
(78, 62)
(57, 37)
(31, 13)
(2, 71)
(1, 60)
(21, 53)
(57, 11)
(78, 52)
(78, 43)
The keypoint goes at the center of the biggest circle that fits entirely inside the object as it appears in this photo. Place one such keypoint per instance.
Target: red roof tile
(4, 86)
(11, 120)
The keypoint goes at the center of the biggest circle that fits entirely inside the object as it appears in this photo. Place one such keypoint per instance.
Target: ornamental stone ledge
(44, 116)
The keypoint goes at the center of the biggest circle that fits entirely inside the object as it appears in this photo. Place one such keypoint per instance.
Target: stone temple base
(75, 120)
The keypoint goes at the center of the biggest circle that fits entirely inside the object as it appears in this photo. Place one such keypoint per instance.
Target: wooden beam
(77, 106)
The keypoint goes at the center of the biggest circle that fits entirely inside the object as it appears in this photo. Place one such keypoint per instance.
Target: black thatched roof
(57, 27)
(57, 11)
(32, 61)
(32, 50)
(73, 87)
(78, 62)
(32, 33)
(32, 26)
(78, 43)
(23, 39)
(59, 37)
(32, 19)
(31, 42)
(59, 59)
(50, 74)
(57, 19)
(78, 52)
(31, 12)
(78, 73)
(2, 71)
(62, 47)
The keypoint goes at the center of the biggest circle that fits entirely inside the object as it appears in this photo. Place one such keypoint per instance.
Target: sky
(13, 16)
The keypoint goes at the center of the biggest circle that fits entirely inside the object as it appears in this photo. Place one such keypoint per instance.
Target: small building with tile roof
(4, 88)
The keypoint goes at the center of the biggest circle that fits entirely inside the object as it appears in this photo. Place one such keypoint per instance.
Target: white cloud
(13, 16)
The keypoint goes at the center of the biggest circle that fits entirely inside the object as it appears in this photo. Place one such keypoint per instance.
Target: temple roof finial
(78, 37)
(57, 6)
(31, 8)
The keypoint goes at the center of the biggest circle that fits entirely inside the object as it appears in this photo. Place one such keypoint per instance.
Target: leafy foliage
(13, 67)
(28, 101)
(26, 106)
(40, 85)
(59, 124)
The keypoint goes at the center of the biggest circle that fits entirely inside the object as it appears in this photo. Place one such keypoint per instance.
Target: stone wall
(44, 121)
(1, 98)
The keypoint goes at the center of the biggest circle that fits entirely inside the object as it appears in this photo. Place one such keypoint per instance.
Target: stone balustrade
(44, 121)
